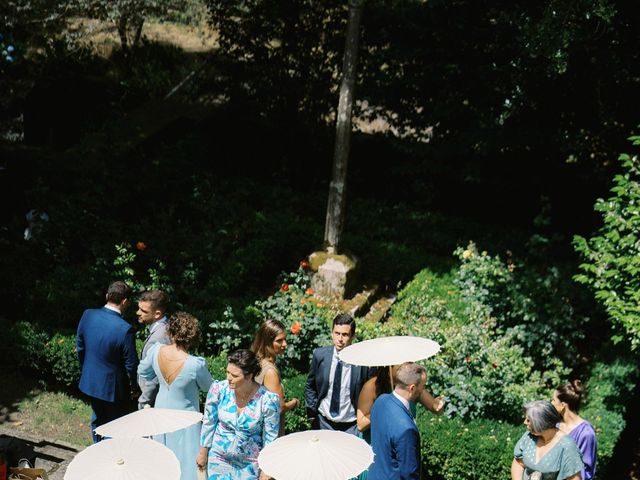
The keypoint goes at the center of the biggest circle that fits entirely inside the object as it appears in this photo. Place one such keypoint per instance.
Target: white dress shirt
(347, 413)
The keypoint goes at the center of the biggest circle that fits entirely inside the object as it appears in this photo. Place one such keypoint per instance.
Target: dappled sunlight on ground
(104, 38)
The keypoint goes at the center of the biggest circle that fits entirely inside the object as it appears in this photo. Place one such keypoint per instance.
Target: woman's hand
(291, 404)
(264, 476)
(201, 459)
(437, 406)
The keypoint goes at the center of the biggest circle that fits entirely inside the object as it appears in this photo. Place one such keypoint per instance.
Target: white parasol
(149, 421)
(385, 351)
(316, 455)
(124, 459)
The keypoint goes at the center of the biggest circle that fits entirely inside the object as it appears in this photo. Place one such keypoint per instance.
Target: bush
(610, 388)
(612, 256)
(295, 420)
(62, 359)
(306, 317)
(454, 449)
(482, 367)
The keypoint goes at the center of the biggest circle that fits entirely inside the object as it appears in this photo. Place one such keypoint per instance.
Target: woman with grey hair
(544, 452)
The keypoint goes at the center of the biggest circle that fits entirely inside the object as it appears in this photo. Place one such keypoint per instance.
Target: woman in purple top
(567, 399)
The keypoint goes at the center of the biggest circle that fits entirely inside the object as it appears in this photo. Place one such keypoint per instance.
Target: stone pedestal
(334, 276)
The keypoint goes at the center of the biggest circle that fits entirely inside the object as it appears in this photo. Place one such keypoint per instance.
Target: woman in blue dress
(181, 377)
(567, 399)
(240, 418)
(544, 452)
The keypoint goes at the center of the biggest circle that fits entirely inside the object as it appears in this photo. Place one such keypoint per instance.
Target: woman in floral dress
(240, 418)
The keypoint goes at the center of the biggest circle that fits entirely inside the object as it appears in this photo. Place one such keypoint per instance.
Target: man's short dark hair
(117, 292)
(345, 319)
(157, 299)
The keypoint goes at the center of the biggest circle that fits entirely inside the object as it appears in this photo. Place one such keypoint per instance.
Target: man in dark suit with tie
(333, 387)
(394, 435)
(152, 306)
(106, 347)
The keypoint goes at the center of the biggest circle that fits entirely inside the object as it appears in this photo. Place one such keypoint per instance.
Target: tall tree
(338, 187)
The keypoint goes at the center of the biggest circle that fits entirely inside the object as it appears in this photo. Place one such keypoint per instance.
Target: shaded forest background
(486, 114)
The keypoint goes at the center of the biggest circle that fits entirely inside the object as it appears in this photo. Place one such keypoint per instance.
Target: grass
(54, 415)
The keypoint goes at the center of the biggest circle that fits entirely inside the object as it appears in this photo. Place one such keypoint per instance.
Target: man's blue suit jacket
(395, 441)
(106, 346)
(318, 380)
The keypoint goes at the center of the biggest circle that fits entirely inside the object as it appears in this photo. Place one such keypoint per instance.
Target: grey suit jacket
(149, 388)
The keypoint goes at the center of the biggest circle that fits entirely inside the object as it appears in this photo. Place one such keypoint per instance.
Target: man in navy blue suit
(333, 387)
(106, 347)
(394, 436)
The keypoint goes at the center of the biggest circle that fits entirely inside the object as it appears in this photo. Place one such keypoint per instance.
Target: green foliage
(295, 420)
(610, 389)
(217, 366)
(454, 449)
(62, 359)
(612, 256)
(483, 322)
(29, 341)
(305, 317)
(124, 268)
(227, 334)
(529, 301)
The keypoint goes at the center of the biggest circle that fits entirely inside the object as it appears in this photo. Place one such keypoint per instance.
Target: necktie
(334, 407)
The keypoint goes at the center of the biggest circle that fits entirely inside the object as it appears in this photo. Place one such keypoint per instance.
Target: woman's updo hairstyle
(246, 361)
(571, 394)
(184, 330)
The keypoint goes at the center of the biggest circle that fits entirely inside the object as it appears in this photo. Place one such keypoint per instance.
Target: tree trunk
(122, 32)
(338, 187)
(138, 34)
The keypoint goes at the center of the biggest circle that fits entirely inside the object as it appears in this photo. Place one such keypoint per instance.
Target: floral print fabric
(235, 440)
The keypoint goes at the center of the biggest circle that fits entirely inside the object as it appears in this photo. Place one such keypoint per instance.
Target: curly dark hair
(246, 361)
(184, 330)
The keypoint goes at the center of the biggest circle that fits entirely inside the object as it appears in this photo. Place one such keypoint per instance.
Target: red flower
(304, 264)
(296, 327)
(284, 287)
(494, 365)
(467, 359)
(309, 291)
(141, 246)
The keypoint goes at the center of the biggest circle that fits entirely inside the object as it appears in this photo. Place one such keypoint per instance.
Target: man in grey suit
(152, 306)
